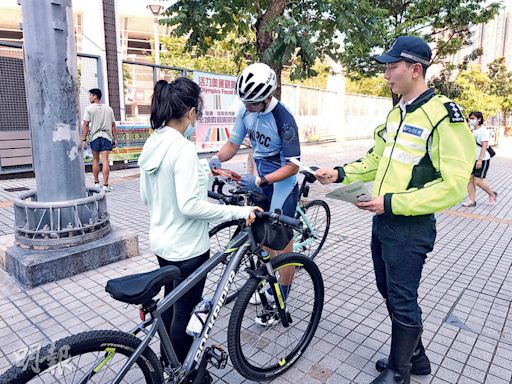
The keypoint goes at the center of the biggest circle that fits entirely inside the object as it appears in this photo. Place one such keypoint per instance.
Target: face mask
(189, 131)
(473, 123)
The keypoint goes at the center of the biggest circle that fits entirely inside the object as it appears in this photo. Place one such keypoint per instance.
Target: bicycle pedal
(217, 356)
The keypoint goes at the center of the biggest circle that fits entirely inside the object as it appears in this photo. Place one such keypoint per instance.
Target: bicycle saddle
(142, 287)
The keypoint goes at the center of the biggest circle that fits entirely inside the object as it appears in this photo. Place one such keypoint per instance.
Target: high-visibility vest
(421, 161)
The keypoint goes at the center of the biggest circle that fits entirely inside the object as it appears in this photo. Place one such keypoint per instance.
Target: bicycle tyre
(219, 238)
(239, 360)
(322, 205)
(87, 342)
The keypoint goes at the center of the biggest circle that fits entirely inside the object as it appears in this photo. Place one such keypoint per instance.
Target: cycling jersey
(274, 138)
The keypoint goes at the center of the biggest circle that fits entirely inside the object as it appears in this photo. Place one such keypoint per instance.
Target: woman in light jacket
(174, 185)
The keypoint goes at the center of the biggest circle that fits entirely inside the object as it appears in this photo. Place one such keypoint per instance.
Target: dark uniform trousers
(399, 248)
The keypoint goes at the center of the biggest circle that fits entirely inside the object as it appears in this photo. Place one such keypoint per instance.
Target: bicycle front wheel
(220, 236)
(318, 216)
(262, 351)
(89, 357)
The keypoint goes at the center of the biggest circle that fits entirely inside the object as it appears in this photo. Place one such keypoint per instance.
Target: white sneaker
(267, 318)
(97, 185)
(256, 299)
(107, 188)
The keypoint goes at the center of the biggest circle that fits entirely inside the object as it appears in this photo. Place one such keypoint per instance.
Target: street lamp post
(156, 10)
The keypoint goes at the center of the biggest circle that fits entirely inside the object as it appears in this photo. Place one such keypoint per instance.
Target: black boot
(404, 339)
(420, 362)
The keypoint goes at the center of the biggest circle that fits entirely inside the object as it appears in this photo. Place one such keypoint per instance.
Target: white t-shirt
(481, 135)
(100, 118)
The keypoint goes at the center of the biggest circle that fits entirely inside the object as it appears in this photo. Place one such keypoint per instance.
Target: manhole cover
(16, 189)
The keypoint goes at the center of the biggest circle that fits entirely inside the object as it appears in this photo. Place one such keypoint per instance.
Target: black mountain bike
(257, 352)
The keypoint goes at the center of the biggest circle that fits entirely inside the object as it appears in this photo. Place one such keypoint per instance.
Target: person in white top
(99, 124)
(483, 159)
(174, 185)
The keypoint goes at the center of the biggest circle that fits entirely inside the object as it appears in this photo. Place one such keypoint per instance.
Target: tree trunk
(264, 36)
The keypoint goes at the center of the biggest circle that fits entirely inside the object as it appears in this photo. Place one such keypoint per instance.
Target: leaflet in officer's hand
(302, 165)
(351, 193)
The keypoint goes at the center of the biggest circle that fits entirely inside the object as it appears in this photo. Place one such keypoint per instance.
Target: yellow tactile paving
(477, 217)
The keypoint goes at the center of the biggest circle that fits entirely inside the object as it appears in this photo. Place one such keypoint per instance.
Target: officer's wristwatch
(263, 182)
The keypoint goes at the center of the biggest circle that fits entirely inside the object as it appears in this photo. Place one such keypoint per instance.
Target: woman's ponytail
(173, 101)
(160, 104)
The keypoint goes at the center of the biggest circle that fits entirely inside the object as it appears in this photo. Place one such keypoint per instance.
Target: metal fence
(314, 109)
(13, 108)
(138, 82)
(90, 76)
(363, 114)
(15, 143)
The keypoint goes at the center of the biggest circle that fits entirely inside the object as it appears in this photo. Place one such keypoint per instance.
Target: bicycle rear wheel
(318, 216)
(263, 352)
(220, 236)
(89, 357)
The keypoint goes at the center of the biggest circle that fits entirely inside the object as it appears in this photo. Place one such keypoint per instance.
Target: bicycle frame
(303, 192)
(297, 246)
(237, 247)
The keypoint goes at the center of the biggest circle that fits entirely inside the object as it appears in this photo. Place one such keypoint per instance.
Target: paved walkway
(466, 290)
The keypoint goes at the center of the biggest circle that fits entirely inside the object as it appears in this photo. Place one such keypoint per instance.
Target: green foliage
(501, 84)
(444, 84)
(375, 86)
(222, 58)
(475, 93)
(501, 78)
(278, 32)
(317, 81)
(219, 58)
(127, 77)
(445, 23)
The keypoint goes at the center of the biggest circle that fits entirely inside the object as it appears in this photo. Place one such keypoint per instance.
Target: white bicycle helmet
(256, 83)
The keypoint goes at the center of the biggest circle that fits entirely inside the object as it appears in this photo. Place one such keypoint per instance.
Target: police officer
(420, 164)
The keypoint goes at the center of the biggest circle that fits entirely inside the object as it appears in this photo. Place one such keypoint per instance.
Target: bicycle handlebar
(215, 195)
(287, 220)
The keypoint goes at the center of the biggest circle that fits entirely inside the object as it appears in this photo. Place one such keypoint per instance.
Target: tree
(475, 92)
(277, 32)
(375, 86)
(501, 84)
(318, 81)
(445, 23)
(445, 83)
(219, 58)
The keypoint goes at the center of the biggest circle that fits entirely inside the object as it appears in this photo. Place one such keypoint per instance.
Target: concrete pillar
(52, 98)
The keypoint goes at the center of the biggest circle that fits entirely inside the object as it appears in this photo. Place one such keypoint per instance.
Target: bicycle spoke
(270, 345)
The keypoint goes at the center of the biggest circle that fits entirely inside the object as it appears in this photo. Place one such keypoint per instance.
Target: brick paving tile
(468, 275)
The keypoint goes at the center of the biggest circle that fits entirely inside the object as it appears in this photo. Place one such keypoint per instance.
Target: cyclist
(274, 137)
(174, 185)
